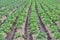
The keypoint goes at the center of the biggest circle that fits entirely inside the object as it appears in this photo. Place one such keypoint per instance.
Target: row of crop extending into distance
(50, 12)
(37, 19)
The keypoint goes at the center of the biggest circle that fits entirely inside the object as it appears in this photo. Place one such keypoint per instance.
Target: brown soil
(3, 8)
(34, 37)
(3, 18)
(12, 11)
(58, 23)
(21, 31)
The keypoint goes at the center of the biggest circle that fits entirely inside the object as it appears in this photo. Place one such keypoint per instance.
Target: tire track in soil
(21, 31)
(48, 15)
(55, 23)
(28, 36)
(42, 26)
(10, 36)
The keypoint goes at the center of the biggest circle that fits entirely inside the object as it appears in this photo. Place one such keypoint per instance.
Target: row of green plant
(10, 8)
(6, 26)
(5, 3)
(53, 5)
(53, 11)
(35, 26)
(48, 21)
(22, 19)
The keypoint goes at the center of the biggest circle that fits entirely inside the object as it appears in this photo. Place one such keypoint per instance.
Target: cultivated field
(29, 20)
